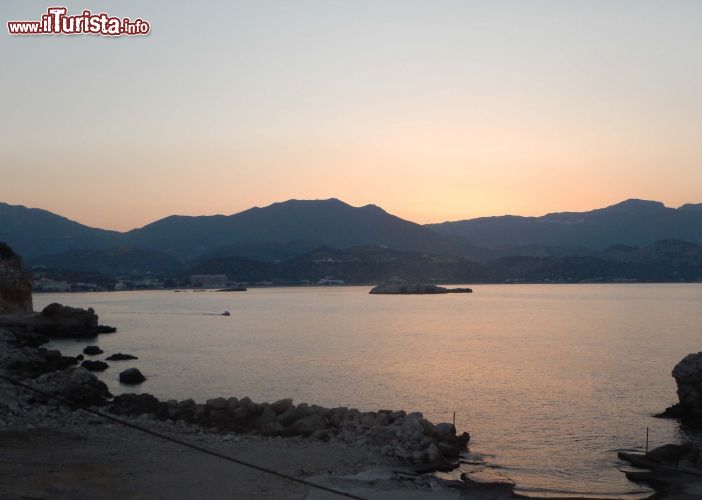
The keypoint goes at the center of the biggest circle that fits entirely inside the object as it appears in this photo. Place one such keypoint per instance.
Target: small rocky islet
(415, 289)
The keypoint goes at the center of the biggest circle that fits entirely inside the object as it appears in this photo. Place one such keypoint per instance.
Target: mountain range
(283, 232)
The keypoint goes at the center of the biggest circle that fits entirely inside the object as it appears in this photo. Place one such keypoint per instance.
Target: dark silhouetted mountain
(283, 231)
(632, 222)
(115, 262)
(32, 232)
(329, 222)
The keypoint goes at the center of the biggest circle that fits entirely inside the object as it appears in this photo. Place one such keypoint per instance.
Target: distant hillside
(664, 261)
(117, 262)
(272, 251)
(32, 232)
(632, 222)
(353, 265)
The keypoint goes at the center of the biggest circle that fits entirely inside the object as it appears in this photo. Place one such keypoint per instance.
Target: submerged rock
(415, 289)
(95, 366)
(120, 357)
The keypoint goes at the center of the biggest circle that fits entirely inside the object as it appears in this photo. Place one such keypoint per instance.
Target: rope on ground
(180, 442)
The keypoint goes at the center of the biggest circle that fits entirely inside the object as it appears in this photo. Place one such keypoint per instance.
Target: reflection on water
(552, 380)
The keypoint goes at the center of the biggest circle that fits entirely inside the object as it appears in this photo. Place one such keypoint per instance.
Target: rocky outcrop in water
(415, 289)
(688, 377)
(15, 283)
(60, 321)
(131, 376)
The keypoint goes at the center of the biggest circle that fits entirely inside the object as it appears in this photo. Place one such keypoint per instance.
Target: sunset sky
(435, 110)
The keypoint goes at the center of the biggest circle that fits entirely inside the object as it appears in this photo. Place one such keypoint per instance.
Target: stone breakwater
(401, 436)
(408, 437)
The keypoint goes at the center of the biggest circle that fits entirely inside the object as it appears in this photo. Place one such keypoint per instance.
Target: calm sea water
(550, 380)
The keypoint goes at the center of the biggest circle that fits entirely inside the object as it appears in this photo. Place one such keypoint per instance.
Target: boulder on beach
(77, 385)
(120, 357)
(415, 289)
(131, 376)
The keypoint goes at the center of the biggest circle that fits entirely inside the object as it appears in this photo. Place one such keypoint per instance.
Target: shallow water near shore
(550, 380)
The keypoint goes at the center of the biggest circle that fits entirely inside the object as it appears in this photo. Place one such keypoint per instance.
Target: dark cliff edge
(15, 283)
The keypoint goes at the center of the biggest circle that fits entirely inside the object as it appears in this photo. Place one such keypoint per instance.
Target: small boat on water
(226, 313)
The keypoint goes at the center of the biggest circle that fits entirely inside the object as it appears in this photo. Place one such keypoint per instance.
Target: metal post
(454, 419)
(646, 440)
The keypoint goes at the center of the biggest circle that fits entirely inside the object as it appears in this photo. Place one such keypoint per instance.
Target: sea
(551, 381)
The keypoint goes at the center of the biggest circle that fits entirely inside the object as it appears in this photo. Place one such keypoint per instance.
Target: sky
(434, 110)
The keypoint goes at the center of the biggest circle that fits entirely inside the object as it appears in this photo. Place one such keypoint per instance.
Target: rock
(266, 417)
(289, 416)
(135, 404)
(434, 454)
(271, 429)
(15, 283)
(671, 454)
(92, 350)
(337, 416)
(367, 419)
(281, 405)
(52, 354)
(94, 366)
(77, 385)
(186, 403)
(232, 404)
(56, 320)
(105, 329)
(688, 377)
(131, 376)
(217, 403)
(445, 430)
(308, 425)
(415, 289)
(120, 357)
(321, 435)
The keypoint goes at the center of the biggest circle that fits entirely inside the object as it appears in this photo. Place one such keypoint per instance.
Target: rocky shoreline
(675, 470)
(394, 439)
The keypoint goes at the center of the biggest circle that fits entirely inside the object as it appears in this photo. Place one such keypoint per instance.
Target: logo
(56, 21)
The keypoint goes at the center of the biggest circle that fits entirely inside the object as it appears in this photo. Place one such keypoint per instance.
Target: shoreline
(359, 454)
